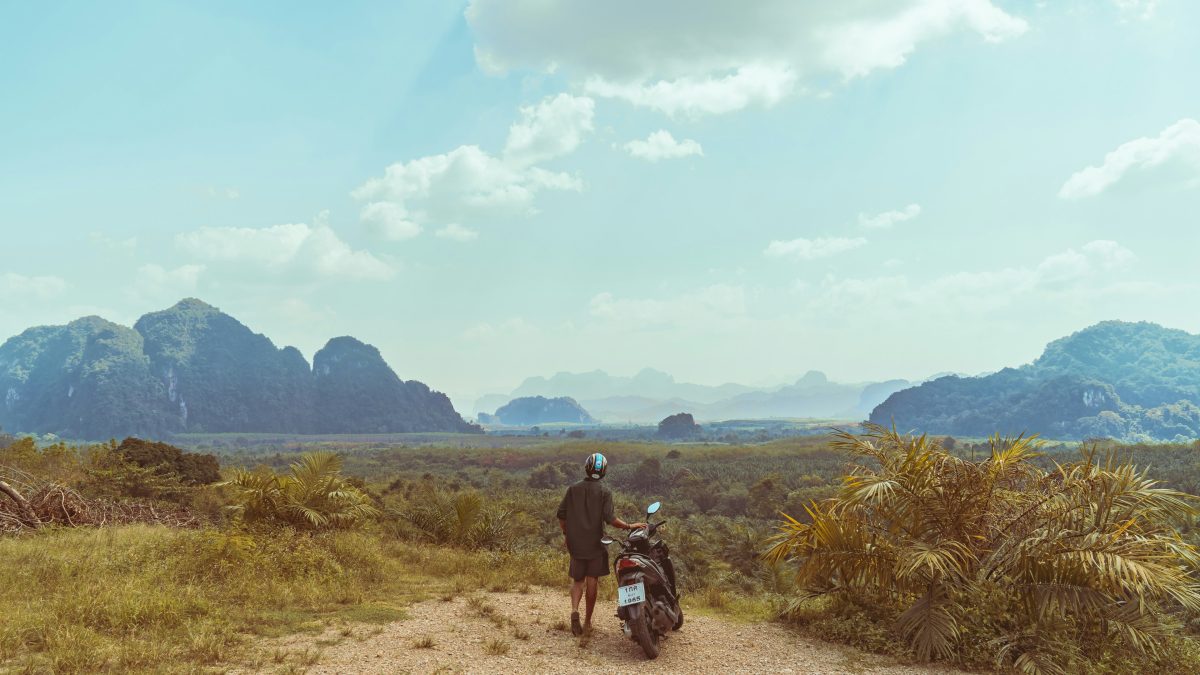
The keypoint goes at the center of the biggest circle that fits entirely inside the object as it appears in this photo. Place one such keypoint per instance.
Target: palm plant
(460, 519)
(1040, 562)
(312, 496)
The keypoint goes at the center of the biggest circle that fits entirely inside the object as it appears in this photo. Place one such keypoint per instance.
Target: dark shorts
(592, 567)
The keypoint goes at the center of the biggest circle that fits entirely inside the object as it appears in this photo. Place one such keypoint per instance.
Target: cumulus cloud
(457, 233)
(724, 58)
(811, 249)
(18, 287)
(297, 248)
(755, 84)
(553, 128)
(1178, 144)
(887, 219)
(469, 184)
(662, 145)
(388, 220)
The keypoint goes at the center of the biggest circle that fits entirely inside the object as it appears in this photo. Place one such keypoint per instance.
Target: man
(584, 510)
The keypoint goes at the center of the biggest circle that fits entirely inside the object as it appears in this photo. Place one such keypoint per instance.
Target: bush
(312, 496)
(1041, 565)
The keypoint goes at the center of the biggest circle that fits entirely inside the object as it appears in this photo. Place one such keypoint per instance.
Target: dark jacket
(586, 508)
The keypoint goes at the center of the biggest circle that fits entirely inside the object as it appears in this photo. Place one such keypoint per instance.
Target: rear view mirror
(653, 508)
(606, 540)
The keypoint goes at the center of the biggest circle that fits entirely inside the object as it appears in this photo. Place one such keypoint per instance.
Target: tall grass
(152, 598)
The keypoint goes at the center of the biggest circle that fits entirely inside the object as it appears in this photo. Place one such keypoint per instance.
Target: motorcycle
(647, 594)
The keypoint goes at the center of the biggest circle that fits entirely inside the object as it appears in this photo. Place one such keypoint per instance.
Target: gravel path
(532, 627)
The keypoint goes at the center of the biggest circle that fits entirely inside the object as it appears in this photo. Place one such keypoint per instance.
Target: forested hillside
(1132, 381)
(192, 368)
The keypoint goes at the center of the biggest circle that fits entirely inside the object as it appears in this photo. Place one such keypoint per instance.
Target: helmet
(595, 466)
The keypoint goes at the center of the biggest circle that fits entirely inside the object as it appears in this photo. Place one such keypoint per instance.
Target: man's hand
(636, 526)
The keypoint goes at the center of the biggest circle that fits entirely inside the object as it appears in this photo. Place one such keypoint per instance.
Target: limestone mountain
(356, 392)
(1134, 381)
(220, 376)
(90, 376)
(529, 410)
(192, 368)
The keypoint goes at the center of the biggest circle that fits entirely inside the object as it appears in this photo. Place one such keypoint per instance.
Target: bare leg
(576, 594)
(592, 589)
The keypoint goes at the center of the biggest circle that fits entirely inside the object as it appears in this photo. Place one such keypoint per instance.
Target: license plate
(631, 595)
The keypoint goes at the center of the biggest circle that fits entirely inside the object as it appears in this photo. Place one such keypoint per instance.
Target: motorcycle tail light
(626, 563)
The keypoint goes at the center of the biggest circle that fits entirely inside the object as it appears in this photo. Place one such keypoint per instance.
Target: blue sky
(497, 189)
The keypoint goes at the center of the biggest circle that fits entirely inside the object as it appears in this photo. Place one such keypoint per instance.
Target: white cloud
(457, 233)
(811, 249)
(662, 145)
(756, 84)
(701, 307)
(1177, 144)
(553, 128)
(389, 221)
(468, 184)
(292, 248)
(889, 218)
(678, 59)
(18, 287)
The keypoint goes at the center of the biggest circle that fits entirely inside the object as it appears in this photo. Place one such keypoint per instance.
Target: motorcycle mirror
(606, 540)
(653, 508)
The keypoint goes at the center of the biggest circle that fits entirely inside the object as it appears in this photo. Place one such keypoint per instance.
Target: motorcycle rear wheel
(644, 635)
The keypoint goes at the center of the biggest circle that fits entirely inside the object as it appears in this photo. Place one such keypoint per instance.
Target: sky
(495, 189)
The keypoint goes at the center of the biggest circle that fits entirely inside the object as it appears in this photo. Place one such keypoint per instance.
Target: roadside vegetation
(305, 537)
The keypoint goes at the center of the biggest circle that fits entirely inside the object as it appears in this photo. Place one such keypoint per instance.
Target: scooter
(647, 593)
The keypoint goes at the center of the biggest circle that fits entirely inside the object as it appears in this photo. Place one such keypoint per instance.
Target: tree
(1039, 561)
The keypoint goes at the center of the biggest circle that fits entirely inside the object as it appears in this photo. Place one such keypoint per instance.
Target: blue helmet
(595, 466)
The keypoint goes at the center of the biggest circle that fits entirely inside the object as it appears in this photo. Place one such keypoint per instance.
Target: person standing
(585, 509)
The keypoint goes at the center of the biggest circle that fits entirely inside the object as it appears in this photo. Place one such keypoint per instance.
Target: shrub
(1039, 564)
(312, 496)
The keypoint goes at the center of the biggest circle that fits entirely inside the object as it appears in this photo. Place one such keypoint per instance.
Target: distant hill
(648, 383)
(192, 368)
(1132, 381)
(651, 395)
(530, 410)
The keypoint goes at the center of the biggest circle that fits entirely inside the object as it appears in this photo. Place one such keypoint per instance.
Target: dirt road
(526, 633)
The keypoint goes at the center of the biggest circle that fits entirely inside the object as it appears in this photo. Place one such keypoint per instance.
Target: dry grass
(495, 647)
(149, 598)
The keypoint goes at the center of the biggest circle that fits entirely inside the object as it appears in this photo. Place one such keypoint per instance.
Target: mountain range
(1130, 381)
(651, 395)
(192, 368)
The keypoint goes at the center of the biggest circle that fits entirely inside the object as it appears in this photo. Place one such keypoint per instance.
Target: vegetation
(312, 496)
(327, 533)
(193, 368)
(528, 410)
(1131, 381)
(1043, 567)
